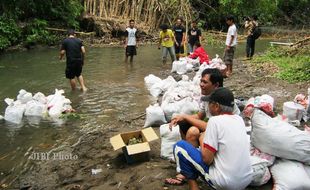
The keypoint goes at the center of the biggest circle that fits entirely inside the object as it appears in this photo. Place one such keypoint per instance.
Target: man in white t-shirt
(224, 159)
(231, 42)
(131, 41)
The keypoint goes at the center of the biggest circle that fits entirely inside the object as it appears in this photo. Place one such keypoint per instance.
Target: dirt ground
(93, 149)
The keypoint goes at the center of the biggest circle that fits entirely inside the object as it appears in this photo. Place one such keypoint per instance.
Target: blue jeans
(171, 52)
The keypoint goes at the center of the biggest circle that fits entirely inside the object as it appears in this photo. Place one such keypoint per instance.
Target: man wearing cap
(224, 158)
(75, 51)
(192, 126)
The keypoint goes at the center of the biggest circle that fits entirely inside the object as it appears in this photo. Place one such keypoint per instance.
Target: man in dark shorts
(194, 35)
(131, 41)
(75, 51)
(179, 33)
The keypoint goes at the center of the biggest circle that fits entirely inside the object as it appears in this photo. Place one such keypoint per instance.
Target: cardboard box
(136, 152)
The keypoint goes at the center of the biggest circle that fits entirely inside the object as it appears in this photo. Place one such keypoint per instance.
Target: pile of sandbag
(281, 149)
(37, 105)
(180, 97)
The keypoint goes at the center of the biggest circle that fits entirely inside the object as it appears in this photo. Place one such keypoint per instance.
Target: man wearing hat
(224, 158)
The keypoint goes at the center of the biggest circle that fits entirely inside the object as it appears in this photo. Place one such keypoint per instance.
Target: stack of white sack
(289, 144)
(218, 63)
(154, 116)
(37, 105)
(184, 64)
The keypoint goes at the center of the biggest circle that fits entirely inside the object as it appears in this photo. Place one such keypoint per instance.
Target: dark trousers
(250, 46)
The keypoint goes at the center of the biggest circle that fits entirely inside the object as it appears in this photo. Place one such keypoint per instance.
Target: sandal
(175, 181)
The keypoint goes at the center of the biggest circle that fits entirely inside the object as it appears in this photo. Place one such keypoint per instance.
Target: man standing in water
(75, 51)
(166, 40)
(131, 41)
(179, 33)
(231, 42)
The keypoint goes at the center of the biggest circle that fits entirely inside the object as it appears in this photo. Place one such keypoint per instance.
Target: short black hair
(215, 76)
(255, 17)
(194, 21)
(230, 17)
(164, 27)
(71, 32)
(131, 20)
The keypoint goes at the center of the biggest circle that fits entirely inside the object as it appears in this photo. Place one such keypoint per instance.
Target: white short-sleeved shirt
(131, 35)
(204, 108)
(232, 31)
(226, 137)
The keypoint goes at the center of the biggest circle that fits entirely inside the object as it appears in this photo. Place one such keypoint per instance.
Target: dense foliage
(26, 20)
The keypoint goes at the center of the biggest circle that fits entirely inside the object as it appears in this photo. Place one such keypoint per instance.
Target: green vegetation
(26, 20)
(290, 68)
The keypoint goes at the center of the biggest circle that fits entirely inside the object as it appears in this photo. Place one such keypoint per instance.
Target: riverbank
(91, 149)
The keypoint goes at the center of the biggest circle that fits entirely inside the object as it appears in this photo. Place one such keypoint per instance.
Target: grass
(289, 68)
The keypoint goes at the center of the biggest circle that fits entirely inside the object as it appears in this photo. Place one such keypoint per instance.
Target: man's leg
(252, 47)
(131, 58)
(72, 84)
(172, 53)
(192, 136)
(248, 47)
(191, 163)
(81, 81)
(165, 53)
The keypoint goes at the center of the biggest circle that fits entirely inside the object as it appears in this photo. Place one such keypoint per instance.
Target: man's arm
(207, 154)
(62, 53)
(159, 43)
(194, 120)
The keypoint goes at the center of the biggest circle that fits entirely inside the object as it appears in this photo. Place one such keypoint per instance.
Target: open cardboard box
(135, 152)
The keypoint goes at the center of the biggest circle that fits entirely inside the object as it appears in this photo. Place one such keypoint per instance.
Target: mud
(92, 149)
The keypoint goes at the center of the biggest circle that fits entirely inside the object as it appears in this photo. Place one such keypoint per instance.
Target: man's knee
(193, 133)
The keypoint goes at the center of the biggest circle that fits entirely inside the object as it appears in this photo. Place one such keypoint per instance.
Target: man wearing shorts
(231, 42)
(75, 51)
(223, 160)
(179, 33)
(131, 41)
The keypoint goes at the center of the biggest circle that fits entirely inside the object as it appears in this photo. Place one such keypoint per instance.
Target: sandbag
(24, 96)
(278, 138)
(14, 112)
(289, 175)
(179, 67)
(40, 97)
(150, 80)
(261, 174)
(156, 89)
(168, 140)
(35, 108)
(154, 116)
(267, 157)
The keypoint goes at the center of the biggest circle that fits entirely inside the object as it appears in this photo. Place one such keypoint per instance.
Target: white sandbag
(154, 116)
(9, 101)
(169, 109)
(24, 96)
(168, 140)
(167, 83)
(179, 67)
(1, 117)
(156, 89)
(40, 97)
(288, 174)
(293, 111)
(189, 106)
(261, 174)
(35, 108)
(279, 138)
(267, 157)
(56, 104)
(150, 80)
(14, 113)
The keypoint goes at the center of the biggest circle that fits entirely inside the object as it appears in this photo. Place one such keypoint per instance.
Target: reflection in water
(116, 89)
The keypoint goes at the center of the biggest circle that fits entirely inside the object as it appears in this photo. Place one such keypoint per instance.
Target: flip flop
(175, 181)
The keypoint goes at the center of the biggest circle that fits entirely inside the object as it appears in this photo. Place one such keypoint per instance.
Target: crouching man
(223, 160)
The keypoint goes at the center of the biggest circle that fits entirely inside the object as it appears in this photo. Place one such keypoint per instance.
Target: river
(116, 90)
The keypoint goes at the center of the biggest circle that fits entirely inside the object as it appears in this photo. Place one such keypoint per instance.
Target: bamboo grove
(150, 12)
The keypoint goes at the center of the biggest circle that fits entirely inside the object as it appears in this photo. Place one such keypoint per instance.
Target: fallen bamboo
(64, 30)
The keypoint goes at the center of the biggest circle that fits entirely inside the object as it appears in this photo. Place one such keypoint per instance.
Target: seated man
(224, 159)
(191, 126)
(201, 53)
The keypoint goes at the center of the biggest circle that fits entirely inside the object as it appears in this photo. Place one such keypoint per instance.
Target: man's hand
(176, 43)
(125, 46)
(174, 121)
(227, 48)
